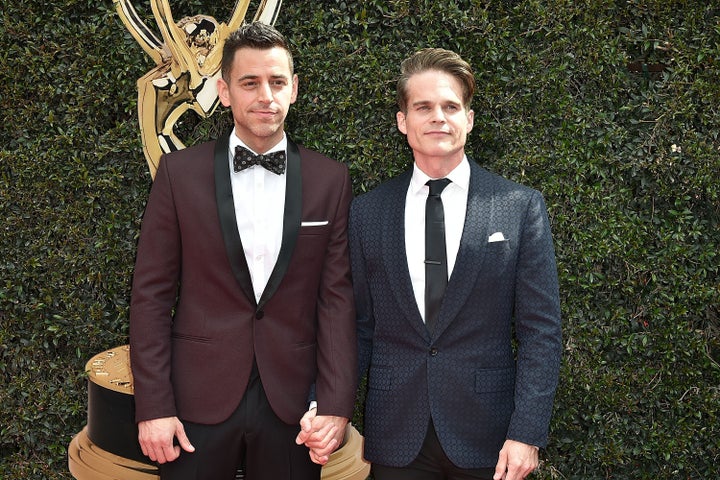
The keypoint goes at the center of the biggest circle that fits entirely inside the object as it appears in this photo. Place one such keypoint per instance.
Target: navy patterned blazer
(489, 371)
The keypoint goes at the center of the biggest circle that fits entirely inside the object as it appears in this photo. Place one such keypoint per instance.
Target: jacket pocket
(189, 338)
(317, 228)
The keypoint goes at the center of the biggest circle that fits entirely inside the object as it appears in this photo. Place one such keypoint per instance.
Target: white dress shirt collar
(460, 176)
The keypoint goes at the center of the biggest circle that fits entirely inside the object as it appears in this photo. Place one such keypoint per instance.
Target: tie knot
(437, 186)
(273, 162)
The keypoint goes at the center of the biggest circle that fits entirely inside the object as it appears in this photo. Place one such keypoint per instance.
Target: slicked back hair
(255, 35)
(437, 59)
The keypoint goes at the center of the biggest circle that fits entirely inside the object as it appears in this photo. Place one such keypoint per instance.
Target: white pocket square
(314, 224)
(497, 237)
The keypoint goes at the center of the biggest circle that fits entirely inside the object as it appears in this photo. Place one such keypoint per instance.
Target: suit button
(259, 314)
(433, 352)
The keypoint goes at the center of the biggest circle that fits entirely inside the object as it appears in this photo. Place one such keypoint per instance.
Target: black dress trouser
(253, 440)
(431, 464)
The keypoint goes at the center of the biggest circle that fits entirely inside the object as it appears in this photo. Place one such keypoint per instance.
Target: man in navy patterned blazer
(470, 395)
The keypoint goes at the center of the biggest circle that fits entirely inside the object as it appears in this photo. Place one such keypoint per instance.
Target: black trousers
(431, 464)
(253, 441)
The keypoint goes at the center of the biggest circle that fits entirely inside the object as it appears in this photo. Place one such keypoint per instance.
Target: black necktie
(273, 162)
(436, 270)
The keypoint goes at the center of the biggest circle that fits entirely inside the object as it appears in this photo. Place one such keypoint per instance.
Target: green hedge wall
(612, 109)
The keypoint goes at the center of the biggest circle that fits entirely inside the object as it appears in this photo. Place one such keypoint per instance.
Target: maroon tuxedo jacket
(195, 327)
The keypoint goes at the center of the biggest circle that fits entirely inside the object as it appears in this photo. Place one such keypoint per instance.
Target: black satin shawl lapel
(228, 220)
(292, 218)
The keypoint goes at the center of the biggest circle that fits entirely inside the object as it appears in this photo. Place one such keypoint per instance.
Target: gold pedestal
(347, 462)
(87, 461)
(107, 448)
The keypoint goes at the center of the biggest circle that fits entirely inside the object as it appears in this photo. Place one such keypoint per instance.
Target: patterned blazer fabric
(466, 376)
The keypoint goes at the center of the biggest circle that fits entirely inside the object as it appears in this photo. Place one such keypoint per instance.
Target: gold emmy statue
(187, 66)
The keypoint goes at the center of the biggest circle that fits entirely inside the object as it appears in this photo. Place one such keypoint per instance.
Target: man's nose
(265, 92)
(438, 114)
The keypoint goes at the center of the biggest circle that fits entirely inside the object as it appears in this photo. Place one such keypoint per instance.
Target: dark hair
(435, 59)
(255, 35)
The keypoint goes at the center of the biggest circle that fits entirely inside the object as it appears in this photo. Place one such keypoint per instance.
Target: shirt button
(433, 352)
(259, 314)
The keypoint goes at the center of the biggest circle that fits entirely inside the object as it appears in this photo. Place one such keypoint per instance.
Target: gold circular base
(87, 461)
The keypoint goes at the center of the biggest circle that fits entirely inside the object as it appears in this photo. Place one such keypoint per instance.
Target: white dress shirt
(259, 199)
(454, 198)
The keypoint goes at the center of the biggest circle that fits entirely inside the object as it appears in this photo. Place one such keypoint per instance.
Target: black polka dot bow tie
(273, 162)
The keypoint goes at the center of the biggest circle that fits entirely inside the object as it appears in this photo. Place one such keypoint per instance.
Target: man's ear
(471, 120)
(223, 92)
(400, 116)
(295, 87)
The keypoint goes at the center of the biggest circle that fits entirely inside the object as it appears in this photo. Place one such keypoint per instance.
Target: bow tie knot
(273, 162)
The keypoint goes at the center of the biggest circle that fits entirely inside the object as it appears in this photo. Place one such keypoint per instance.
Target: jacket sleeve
(537, 326)
(336, 385)
(154, 290)
(363, 303)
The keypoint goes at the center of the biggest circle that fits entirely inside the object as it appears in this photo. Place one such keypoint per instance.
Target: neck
(258, 144)
(439, 167)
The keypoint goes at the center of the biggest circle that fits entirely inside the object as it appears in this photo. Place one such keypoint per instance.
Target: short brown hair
(435, 59)
(255, 35)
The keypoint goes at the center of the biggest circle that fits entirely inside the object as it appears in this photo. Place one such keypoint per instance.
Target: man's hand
(322, 434)
(516, 461)
(156, 439)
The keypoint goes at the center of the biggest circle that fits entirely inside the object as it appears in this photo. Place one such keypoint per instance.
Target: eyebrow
(253, 77)
(421, 103)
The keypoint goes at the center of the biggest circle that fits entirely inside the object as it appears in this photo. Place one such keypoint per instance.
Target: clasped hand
(322, 434)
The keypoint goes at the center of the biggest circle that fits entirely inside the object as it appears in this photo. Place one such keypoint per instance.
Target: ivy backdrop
(610, 108)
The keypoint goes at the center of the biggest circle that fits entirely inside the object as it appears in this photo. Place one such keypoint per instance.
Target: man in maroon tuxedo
(242, 316)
